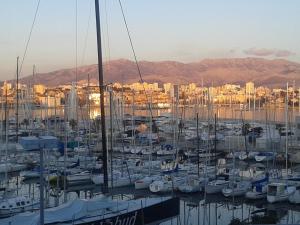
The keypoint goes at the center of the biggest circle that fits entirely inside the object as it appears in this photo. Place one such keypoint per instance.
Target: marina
(94, 150)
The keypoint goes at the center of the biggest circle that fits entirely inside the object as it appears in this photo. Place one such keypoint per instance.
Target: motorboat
(13, 205)
(278, 192)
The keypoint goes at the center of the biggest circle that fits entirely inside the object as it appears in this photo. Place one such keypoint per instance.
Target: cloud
(268, 52)
(259, 52)
(284, 53)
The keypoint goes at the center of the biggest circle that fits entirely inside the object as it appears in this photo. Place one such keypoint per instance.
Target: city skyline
(204, 30)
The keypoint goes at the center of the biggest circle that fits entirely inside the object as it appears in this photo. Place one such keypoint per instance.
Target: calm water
(219, 210)
(270, 114)
(215, 209)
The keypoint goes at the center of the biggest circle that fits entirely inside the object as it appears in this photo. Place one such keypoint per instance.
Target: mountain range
(265, 72)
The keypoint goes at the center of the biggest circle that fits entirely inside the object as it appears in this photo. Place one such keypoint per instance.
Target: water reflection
(219, 210)
(269, 114)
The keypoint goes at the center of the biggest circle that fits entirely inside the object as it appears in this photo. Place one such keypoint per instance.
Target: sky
(181, 30)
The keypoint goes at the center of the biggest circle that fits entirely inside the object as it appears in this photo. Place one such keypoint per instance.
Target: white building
(250, 88)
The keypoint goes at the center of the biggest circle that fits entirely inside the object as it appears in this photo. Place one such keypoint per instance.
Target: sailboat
(193, 184)
(259, 189)
(217, 185)
(11, 204)
(99, 210)
(102, 210)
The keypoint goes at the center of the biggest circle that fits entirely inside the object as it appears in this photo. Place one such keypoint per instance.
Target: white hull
(216, 186)
(189, 188)
(15, 205)
(29, 174)
(295, 197)
(145, 182)
(278, 198)
(166, 152)
(77, 178)
(161, 186)
(255, 195)
(240, 190)
(279, 192)
(118, 181)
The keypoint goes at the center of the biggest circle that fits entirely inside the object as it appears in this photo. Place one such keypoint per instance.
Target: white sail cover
(70, 211)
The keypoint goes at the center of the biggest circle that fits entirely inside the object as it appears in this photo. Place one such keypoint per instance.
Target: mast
(6, 133)
(33, 96)
(286, 127)
(17, 107)
(198, 145)
(42, 185)
(101, 87)
(89, 114)
(111, 134)
(215, 143)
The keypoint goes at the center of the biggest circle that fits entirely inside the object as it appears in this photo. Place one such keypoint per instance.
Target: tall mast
(6, 132)
(17, 108)
(286, 127)
(198, 145)
(101, 87)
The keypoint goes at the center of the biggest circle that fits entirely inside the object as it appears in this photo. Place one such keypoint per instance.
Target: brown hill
(273, 73)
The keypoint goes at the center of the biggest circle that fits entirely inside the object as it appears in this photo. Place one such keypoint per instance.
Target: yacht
(278, 192)
(11, 206)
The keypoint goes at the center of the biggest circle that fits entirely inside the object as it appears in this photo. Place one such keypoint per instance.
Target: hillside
(272, 73)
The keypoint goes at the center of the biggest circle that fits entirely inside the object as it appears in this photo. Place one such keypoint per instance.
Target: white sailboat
(236, 188)
(145, 182)
(259, 189)
(193, 184)
(166, 184)
(217, 185)
(82, 177)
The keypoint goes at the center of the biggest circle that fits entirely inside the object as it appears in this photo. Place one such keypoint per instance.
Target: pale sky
(182, 30)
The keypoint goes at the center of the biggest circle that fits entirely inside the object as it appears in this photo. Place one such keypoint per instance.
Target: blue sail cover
(49, 142)
(32, 143)
(29, 143)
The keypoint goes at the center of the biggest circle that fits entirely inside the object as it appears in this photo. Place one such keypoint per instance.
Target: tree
(245, 128)
(73, 124)
(26, 123)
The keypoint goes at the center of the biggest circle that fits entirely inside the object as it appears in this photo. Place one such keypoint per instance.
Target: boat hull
(153, 213)
(255, 195)
(213, 189)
